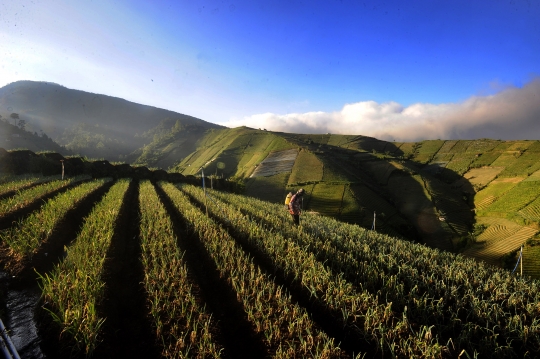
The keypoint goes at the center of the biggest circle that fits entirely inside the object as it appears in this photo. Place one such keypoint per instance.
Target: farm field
(243, 280)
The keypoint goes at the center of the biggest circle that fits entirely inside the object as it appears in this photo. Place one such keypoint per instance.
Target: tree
(22, 124)
(15, 117)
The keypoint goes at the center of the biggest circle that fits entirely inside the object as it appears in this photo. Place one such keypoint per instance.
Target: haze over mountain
(90, 124)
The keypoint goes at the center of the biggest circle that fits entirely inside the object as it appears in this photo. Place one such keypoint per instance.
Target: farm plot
(270, 188)
(380, 170)
(345, 305)
(30, 195)
(533, 177)
(486, 159)
(494, 190)
(492, 251)
(15, 183)
(181, 323)
(415, 203)
(286, 327)
(525, 165)
(460, 146)
(482, 146)
(532, 211)
(460, 164)
(515, 199)
(450, 205)
(531, 261)
(407, 148)
(480, 177)
(326, 199)
(365, 257)
(307, 168)
(427, 150)
(506, 159)
(447, 146)
(75, 287)
(276, 162)
(25, 238)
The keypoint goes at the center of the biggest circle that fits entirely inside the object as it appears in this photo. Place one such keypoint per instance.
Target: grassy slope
(430, 188)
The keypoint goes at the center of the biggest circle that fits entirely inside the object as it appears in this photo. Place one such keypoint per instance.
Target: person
(287, 200)
(295, 206)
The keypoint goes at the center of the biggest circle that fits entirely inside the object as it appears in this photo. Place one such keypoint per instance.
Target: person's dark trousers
(296, 219)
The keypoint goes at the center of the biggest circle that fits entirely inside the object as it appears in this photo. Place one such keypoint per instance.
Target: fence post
(521, 265)
(204, 190)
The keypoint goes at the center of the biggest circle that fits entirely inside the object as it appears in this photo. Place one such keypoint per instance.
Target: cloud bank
(511, 114)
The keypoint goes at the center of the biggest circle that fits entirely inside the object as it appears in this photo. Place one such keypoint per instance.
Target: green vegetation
(28, 235)
(407, 282)
(26, 196)
(181, 324)
(287, 329)
(75, 287)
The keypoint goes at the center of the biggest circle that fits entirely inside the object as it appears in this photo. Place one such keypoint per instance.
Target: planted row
(288, 331)
(181, 324)
(75, 287)
(351, 306)
(15, 183)
(24, 197)
(431, 286)
(26, 237)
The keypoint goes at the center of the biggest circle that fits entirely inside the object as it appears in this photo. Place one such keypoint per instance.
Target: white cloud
(513, 113)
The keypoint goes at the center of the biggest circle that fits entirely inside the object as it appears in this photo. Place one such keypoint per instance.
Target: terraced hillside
(129, 268)
(434, 191)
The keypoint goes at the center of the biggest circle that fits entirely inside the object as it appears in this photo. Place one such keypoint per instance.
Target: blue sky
(402, 70)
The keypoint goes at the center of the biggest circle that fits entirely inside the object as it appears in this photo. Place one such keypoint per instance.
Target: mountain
(480, 197)
(89, 124)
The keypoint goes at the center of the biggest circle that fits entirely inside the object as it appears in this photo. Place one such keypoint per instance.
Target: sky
(395, 70)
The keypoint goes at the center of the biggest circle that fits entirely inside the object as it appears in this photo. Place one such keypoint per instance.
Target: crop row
(23, 197)
(532, 211)
(18, 182)
(26, 237)
(182, 326)
(351, 306)
(75, 287)
(515, 199)
(441, 287)
(287, 328)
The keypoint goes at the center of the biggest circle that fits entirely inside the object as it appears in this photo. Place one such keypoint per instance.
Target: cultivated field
(158, 270)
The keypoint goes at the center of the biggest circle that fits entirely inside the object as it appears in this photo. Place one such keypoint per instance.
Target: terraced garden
(146, 272)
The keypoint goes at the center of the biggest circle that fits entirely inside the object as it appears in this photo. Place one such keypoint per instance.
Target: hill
(445, 193)
(89, 124)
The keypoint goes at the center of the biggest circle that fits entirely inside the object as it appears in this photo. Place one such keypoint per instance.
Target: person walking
(295, 206)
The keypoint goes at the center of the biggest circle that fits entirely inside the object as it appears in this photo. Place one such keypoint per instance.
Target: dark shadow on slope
(127, 332)
(234, 331)
(439, 212)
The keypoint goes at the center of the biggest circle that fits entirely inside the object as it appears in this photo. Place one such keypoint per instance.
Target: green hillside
(89, 124)
(438, 192)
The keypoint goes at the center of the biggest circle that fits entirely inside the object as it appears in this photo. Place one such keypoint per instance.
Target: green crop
(181, 324)
(25, 238)
(75, 287)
